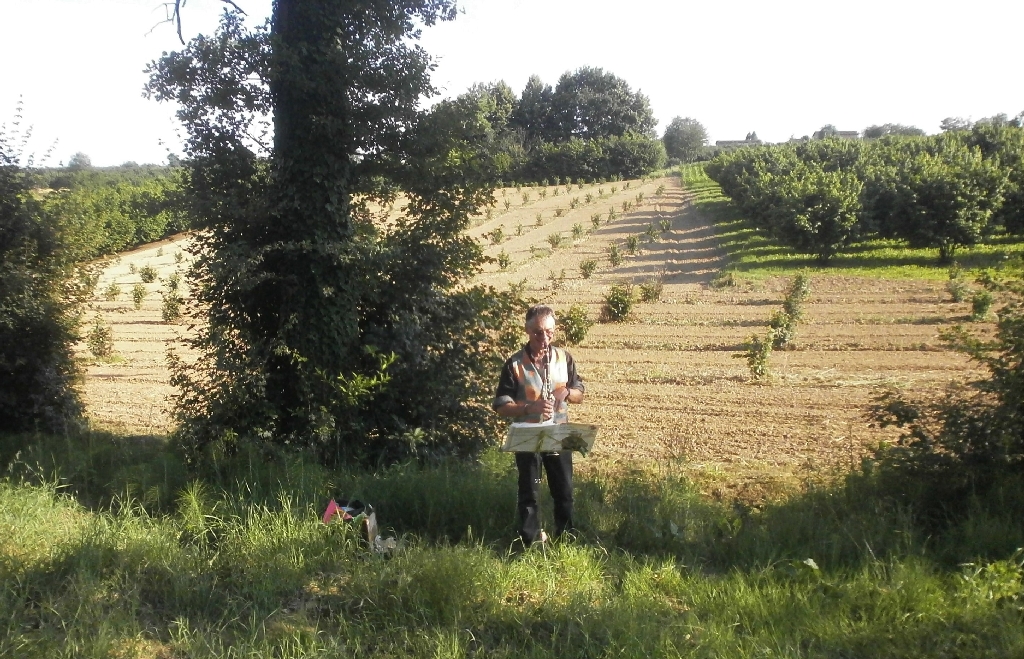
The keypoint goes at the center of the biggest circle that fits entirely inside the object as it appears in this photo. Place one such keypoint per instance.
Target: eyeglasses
(539, 332)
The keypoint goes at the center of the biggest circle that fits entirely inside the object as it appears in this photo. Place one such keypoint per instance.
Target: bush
(956, 449)
(595, 220)
(587, 268)
(497, 235)
(504, 260)
(557, 280)
(666, 225)
(111, 292)
(758, 353)
(651, 288)
(614, 256)
(632, 245)
(981, 305)
(618, 303)
(574, 324)
(138, 295)
(100, 339)
(577, 231)
(724, 279)
(41, 293)
(555, 240)
(956, 286)
(147, 274)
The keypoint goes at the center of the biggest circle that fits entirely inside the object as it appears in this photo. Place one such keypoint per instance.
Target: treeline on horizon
(944, 191)
(589, 126)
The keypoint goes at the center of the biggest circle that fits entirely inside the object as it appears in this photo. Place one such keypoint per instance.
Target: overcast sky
(782, 68)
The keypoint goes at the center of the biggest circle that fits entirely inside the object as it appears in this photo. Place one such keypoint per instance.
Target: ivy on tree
(324, 326)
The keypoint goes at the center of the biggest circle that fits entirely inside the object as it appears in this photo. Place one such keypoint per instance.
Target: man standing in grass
(536, 385)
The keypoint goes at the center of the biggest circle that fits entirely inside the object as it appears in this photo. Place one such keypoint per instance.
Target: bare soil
(666, 386)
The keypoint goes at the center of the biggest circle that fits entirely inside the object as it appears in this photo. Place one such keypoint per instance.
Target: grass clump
(587, 268)
(504, 260)
(578, 231)
(555, 240)
(632, 245)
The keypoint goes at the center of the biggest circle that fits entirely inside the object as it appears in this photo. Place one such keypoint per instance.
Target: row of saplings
(945, 191)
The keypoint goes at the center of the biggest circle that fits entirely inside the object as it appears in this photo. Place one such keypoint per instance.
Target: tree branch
(175, 15)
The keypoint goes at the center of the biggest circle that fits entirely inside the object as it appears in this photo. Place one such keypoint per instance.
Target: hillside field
(664, 386)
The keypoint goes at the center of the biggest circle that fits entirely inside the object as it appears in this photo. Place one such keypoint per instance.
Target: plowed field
(666, 385)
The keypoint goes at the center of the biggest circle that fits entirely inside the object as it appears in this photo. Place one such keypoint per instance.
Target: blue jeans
(559, 470)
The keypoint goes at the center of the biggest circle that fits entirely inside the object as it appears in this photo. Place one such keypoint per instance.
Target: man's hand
(545, 408)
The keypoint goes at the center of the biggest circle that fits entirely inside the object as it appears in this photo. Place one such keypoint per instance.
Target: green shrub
(555, 240)
(100, 338)
(588, 198)
(574, 203)
(174, 281)
(507, 203)
(587, 268)
(539, 219)
(651, 288)
(595, 220)
(618, 303)
(559, 212)
(526, 198)
(632, 245)
(639, 199)
(178, 256)
(651, 233)
(497, 235)
(611, 214)
(504, 260)
(519, 229)
(147, 274)
(574, 324)
(615, 189)
(666, 225)
(660, 191)
(578, 231)
(758, 353)
(956, 286)
(132, 269)
(614, 256)
(543, 193)
(138, 295)
(111, 292)
(170, 309)
(981, 305)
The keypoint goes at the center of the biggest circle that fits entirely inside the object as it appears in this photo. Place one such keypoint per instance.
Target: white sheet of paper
(549, 436)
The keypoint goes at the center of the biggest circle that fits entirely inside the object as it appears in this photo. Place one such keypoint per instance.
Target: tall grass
(755, 255)
(233, 561)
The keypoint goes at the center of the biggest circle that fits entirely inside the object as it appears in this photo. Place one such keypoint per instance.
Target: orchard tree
(685, 139)
(325, 325)
(946, 199)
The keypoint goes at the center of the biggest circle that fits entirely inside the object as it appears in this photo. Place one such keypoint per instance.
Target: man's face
(541, 332)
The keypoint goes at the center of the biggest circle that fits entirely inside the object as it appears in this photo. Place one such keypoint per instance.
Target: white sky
(783, 68)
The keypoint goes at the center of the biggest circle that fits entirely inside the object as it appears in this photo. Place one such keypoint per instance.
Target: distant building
(841, 134)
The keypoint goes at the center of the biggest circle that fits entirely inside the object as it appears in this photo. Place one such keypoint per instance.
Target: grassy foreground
(108, 549)
(753, 255)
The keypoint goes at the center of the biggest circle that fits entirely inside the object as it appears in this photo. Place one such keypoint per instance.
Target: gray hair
(538, 311)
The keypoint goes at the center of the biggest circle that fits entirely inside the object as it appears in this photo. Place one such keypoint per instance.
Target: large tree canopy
(685, 139)
(325, 325)
(592, 103)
